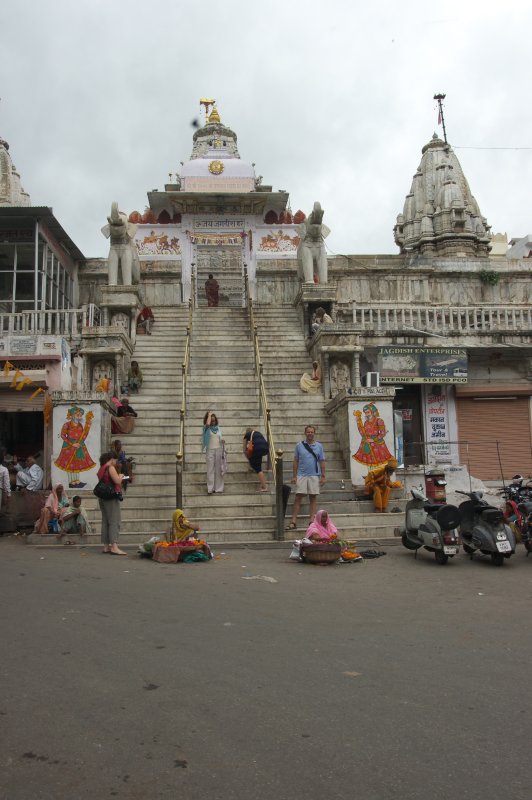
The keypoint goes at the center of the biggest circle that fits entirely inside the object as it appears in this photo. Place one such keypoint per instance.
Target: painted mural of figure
(74, 456)
(372, 450)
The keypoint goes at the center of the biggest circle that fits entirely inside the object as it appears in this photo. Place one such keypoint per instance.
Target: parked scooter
(482, 528)
(432, 526)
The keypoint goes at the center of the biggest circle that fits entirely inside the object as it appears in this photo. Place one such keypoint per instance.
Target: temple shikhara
(224, 296)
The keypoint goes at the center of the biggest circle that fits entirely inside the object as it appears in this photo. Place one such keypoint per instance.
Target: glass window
(6, 286)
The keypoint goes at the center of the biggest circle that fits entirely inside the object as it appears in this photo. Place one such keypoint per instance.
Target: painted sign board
(434, 365)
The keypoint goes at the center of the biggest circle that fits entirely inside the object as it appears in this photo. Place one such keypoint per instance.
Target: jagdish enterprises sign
(422, 365)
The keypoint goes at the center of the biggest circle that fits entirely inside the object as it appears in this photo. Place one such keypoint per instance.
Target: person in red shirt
(146, 319)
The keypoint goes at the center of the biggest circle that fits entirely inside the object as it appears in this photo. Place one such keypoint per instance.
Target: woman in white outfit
(213, 447)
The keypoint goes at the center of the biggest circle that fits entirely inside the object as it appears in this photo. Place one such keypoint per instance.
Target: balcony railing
(443, 319)
(52, 323)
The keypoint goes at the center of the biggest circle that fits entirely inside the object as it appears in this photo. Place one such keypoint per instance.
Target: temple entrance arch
(225, 263)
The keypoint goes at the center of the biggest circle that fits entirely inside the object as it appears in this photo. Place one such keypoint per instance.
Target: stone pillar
(133, 324)
(326, 378)
(355, 371)
(118, 374)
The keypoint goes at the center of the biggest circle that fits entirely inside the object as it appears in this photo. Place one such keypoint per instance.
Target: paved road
(390, 679)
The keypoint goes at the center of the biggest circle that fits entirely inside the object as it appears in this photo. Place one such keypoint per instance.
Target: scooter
(482, 528)
(432, 526)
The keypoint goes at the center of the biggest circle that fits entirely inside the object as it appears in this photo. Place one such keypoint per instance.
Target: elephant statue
(311, 253)
(123, 251)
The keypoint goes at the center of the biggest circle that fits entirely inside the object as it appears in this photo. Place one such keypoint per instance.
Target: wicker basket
(321, 553)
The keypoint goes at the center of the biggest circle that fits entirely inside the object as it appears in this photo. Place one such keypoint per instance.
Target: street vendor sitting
(182, 529)
(378, 482)
(322, 529)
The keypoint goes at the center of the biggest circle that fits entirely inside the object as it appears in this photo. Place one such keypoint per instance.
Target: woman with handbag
(255, 447)
(110, 484)
(213, 446)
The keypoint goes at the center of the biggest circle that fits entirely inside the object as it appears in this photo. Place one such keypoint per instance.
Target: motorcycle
(517, 501)
(482, 528)
(525, 510)
(432, 526)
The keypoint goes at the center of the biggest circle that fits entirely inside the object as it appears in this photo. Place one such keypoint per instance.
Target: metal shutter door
(482, 423)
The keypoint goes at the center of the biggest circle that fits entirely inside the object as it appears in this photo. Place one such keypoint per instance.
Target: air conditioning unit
(373, 379)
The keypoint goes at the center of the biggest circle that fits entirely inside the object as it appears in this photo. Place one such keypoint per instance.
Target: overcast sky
(332, 100)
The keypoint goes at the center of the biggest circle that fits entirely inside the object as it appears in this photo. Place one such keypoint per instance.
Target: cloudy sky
(332, 100)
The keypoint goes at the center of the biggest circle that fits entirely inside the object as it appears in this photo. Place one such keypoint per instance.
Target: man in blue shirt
(308, 473)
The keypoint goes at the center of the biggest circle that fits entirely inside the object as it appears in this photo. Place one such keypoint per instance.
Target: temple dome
(440, 215)
(215, 160)
(11, 191)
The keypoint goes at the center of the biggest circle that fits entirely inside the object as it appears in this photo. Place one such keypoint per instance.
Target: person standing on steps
(255, 448)
(308, 473)
(213, 447)
(212, 289)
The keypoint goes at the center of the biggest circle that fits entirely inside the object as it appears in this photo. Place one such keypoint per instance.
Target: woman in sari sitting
(322, 529)
(311, 383)
(50, 518)
(183, 530)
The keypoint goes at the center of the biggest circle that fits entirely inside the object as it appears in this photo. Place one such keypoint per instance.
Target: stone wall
(403, 280)
(160, 282)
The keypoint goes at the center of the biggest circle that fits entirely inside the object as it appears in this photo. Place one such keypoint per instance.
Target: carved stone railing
(52, 323)
(443, 319)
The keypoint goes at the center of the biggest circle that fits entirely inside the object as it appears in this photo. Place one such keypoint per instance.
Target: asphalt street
(393, 678)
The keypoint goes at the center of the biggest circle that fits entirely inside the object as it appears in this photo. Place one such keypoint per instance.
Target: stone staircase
(223, 380)
(285, 358)
(150, 500)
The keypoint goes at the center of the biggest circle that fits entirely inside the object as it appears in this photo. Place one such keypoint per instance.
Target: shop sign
(422, 365)
(437, 424)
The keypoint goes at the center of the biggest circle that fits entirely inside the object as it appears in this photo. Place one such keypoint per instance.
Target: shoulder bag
(250, 446)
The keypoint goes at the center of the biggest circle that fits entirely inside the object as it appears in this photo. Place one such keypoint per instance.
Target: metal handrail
(185, 369)
(276, 456)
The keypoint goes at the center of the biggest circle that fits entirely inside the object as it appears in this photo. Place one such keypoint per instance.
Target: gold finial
(204, 101)
(214, 115)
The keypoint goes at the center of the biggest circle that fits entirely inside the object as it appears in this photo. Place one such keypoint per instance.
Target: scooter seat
(448, 517)
(492, 515)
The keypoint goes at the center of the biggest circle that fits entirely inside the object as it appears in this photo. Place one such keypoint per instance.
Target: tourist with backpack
(308, 473)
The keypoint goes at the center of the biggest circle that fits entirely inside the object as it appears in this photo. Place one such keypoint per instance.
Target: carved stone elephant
(122, 252)
(311, 253)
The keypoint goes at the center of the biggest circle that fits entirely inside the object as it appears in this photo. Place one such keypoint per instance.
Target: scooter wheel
(497, 559)
(440, 557)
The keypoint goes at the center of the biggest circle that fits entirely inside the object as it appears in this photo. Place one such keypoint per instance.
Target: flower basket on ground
(321, 553)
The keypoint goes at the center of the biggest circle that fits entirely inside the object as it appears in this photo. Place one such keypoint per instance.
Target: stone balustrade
(443, 319)
(51, 322)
